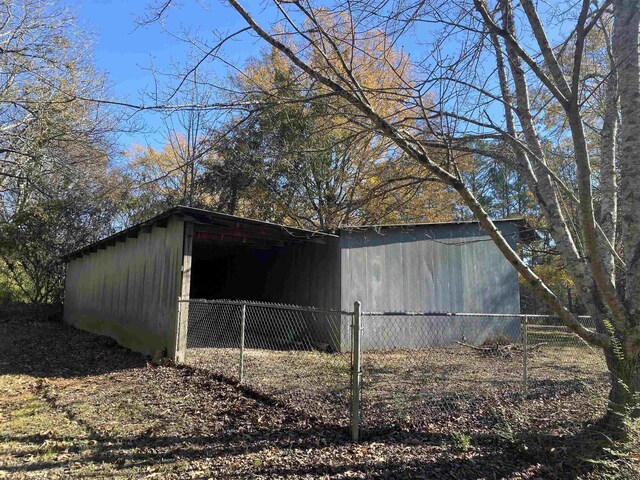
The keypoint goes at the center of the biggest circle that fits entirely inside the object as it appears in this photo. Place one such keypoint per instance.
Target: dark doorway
(233, 272)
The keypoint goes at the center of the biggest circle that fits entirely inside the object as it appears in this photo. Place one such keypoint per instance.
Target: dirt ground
(428, 389)
(75, 405)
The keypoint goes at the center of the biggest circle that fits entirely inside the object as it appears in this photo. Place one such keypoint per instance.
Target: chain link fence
(297, 355)
(403, 370)
(443, 372)
(561, 364)
(428, 370)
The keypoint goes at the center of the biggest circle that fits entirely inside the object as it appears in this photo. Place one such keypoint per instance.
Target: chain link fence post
(356, 374)
(179, 355)
(182, 327)
(243, 317)
(525, 348)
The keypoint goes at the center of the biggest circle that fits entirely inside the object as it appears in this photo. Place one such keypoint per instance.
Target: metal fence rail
(429, 371)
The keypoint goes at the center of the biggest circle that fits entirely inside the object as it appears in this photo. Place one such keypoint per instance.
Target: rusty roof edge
(191, 212)
(307, 233)
(527, 233)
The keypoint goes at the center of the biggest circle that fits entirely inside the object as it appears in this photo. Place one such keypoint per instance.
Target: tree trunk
(608, 217)
(623, 395)
(625, 49)
(623, 360)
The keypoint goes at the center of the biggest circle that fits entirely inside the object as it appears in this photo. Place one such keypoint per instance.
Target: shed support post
(243, 319)
(525, 346)
(356, 373)
(183, 301)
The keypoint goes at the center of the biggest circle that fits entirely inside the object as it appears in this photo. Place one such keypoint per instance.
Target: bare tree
(54, 147)
(45, 69)
(487, 73)
(186, 133)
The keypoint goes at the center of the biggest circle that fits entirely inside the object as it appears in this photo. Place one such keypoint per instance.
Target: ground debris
(496, 348)
(74, 405)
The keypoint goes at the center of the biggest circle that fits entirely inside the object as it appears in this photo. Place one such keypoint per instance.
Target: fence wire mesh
(433, 372)
(469, 371)
(425, 370)
(560, 363)
(297, 355)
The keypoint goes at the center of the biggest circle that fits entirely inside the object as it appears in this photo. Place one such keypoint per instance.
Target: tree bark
(623, 395)
(608, 216)
(545, 190)
(625, 49)
(624, 359)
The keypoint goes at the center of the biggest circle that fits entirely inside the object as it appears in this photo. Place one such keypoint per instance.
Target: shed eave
(527, 233)
(204, 217)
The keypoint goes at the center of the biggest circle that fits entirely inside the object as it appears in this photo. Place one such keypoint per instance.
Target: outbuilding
(127, 286)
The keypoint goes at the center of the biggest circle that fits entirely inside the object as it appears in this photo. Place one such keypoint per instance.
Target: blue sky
(126, 51)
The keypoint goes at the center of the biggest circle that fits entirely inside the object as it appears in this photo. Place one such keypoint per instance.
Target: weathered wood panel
(183, 307)
(129, 291)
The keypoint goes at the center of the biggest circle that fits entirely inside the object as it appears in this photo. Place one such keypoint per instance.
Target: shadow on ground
(78, 405)
(51, 349)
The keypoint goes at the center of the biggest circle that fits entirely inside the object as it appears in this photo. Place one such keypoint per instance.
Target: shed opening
(258, 264)
(231, 270)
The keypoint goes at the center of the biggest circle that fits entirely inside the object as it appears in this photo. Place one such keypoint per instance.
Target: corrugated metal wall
(129, 291)
(309, 274)
(446, 268)
(440, 268)
(306, 274)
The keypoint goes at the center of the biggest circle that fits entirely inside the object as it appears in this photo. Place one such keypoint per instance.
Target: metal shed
(436, 267)
(127, 285)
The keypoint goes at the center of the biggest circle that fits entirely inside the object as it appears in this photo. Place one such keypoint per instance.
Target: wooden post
(525, 347)
(183, 301)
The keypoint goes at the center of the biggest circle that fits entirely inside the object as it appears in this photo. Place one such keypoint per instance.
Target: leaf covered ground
(437, 389)
(75, 405)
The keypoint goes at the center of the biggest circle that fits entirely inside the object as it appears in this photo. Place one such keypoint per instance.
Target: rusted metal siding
(129, 290)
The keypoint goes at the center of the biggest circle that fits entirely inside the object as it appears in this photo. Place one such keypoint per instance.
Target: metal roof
(527, 233)
(225, 224)
(235, 226)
